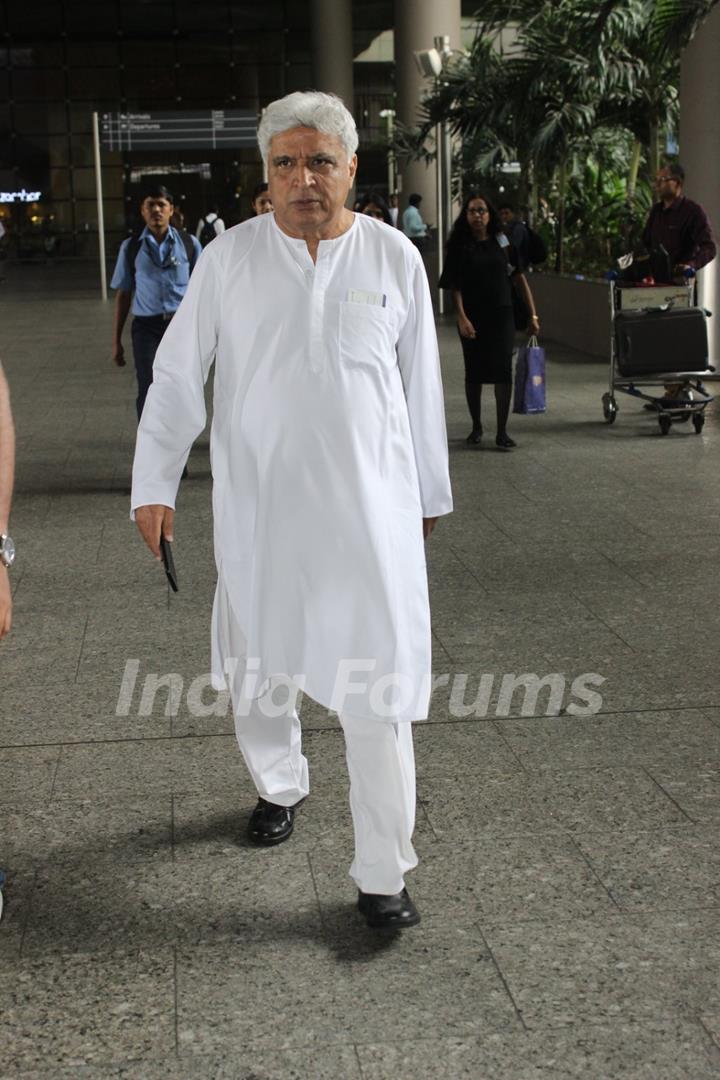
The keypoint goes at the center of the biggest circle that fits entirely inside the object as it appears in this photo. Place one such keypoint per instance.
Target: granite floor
(569, 879)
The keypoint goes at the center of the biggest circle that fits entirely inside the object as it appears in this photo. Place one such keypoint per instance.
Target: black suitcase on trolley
(653, 342)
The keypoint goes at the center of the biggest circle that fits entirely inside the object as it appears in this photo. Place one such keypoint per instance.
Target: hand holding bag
(530, 378)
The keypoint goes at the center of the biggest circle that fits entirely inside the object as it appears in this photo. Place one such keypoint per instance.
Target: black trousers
(147, 333)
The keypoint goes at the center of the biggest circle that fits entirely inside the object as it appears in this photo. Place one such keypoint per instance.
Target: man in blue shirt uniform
(413, 225)
(154, 266)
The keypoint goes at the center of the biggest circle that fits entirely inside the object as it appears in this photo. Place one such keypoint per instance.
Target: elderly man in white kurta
(329, 460)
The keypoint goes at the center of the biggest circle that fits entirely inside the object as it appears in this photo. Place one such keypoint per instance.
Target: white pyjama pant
(381, 767)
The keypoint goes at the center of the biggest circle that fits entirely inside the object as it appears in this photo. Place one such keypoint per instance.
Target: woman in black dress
(481, 270)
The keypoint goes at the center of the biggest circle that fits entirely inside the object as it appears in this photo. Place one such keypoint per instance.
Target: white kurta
(328, 447)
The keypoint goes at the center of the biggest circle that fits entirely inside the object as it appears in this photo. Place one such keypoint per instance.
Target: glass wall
(60, 60)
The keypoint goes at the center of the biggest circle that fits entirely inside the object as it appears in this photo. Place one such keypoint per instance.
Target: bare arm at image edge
(123, 301)
(7, 473)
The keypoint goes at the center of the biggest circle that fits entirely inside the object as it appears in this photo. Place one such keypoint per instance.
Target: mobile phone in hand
(168, 563)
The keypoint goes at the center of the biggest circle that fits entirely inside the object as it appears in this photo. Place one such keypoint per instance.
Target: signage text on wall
(206, 129)
(20, 196)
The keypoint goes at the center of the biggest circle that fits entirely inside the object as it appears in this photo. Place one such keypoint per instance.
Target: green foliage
(600, 222)
(583, 83)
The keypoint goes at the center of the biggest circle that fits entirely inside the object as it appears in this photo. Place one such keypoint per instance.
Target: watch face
(7, 551)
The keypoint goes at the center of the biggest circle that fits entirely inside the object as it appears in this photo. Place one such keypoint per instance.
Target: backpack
(536, 248)
(207, 233)
(133, 250)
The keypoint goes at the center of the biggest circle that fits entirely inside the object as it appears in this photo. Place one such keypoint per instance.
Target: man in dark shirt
(677, 223)
(682, 227)
(517, 234)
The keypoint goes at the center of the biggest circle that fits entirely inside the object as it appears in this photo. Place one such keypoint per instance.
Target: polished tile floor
(568, 777)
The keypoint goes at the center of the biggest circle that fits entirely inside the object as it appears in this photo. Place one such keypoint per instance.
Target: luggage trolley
(653, 327)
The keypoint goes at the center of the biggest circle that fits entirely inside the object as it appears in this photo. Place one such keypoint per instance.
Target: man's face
(666, 186)
(309, 177)
(263, 204)
(506, 215)
(156, 213)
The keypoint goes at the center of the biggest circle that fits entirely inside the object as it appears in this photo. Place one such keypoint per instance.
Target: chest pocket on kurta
(367, 335)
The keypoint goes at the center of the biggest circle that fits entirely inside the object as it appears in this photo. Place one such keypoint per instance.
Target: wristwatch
(7, 550)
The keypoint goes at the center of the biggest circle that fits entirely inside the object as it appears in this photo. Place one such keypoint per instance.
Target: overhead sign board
(207, 129)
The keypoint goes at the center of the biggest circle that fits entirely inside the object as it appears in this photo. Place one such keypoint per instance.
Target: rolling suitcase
(652, 342)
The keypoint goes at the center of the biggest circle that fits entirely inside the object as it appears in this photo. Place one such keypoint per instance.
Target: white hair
(312, 109)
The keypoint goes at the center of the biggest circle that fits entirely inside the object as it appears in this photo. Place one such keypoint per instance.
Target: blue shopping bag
(530, 379)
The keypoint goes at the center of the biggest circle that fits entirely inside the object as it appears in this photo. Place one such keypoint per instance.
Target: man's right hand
(466, 328)
(152, 521)
(5, 603)
(118, 356)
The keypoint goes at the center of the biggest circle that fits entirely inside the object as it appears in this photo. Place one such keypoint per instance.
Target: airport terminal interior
(568, 774)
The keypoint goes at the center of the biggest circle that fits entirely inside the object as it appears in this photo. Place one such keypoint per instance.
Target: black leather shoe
(475, 437)
(388, 912)
(271, 824)
(504, 442)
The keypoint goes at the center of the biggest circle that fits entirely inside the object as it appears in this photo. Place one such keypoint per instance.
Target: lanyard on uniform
(170, 260)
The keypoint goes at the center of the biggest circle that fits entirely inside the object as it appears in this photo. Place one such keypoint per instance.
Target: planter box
(573, 313)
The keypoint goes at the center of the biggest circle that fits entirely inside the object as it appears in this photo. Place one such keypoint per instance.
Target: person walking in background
(479, 266)
(395, 208)
(413, 225)
(330, 469)
(178, 220)
(373, 205)
(7, 473)
(517, 233)
(151, 276)
(209, 227)
(261, 200)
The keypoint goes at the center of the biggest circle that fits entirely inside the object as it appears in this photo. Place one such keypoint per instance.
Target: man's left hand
(428, 526)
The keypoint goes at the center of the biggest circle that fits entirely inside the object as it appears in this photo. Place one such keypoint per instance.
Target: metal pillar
(416, 27)
(332, 48)
(389, 116)
(100, 211)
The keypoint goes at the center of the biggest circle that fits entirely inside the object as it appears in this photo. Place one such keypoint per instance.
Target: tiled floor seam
(603, 622)
(100, 544)
(176, 1011)
(318, 901)
(172, 828)
(82, 647)
(356, 1051)
(28, 915)
(714, 1042)
(676, 804)
(593, 871)
(509, 747)
(55, 772)
(501, 976)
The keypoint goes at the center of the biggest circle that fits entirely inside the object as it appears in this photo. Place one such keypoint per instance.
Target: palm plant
(580, 71)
